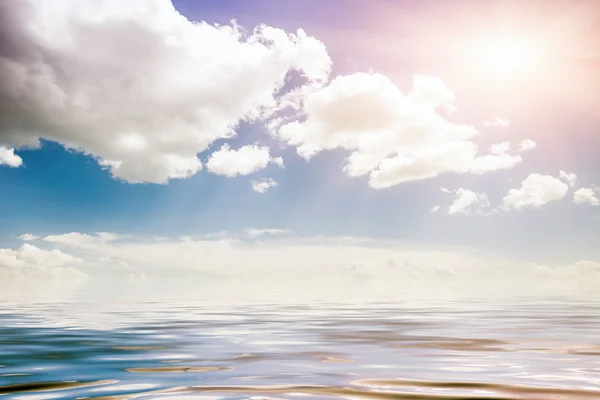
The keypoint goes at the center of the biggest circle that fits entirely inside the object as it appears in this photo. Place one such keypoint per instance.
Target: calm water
(397, 348)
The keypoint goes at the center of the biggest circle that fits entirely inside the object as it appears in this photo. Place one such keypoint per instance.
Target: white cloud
(296, 259)
(263, 185)
(434, 209)
(8, 157)
(244, 161)
(468, 201)
(326, 265)
(497, 123)
(535, 191)
(77, 239)
(570, 178)
(498, 159)
(527, 144)
(391, 136)
(279, 257)
(250, 232)
(28, 237)
(586, 196)
(278, 161)
(156, 90)
(30, 262)
(583, 269)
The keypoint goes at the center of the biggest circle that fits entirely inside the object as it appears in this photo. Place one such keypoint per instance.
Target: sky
(276, 139)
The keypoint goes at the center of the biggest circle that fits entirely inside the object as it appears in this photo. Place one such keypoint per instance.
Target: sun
(507, 56)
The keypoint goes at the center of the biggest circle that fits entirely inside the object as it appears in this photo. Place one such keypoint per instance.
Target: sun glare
(507, 56)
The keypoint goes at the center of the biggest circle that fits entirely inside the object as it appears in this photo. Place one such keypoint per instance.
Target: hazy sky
(435, 138)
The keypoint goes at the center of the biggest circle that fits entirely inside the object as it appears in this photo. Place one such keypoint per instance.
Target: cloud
(527, 144)
(586, 196)
(535, 191)
(583, 269)
(570, 178)
(399, 270)
(300, 260)
(263, 185)
(497, 123)
(250, 232)
(468, 202)
(498, 159)
(8, 157)
(30, 262)
(326, 265)
(77, 239)
(434, 209)
(277, 258)
(244, 161)
(392, 137)
(28, 237)
(156, 90)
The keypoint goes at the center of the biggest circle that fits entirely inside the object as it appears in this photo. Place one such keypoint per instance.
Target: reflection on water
(398, 349)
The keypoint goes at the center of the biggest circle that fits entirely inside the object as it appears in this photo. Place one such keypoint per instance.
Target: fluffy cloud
(261, 232)
(244, 161)
(498, 159)
(263, 185)
(570, 178)
(391, 136)
(535, 191)
(468, 201)
(77, 239)
(497, 122)
(28, 237)
(586, 196)
(31, 262)
(8, 157)
(136, 84)
(527, 144)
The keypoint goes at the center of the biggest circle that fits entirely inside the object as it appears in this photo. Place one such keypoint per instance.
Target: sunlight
(508, 56)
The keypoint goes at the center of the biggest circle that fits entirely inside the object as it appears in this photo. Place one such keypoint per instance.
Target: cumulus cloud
(570, 178)
(535, 191)
(586, 196)
(77, 239)
(244, 161)
(527, 144)
(136, 84)
(8, 157)
(250, 232)
(498, 159)
(391, 136)
(28, 237)
(468, 202)
(497, 122)
(30, 262)
(263, 185)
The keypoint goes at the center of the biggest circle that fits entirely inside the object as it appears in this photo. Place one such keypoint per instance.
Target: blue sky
(548, 97)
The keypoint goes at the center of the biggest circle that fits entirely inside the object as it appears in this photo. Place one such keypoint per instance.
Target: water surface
(397, 348)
